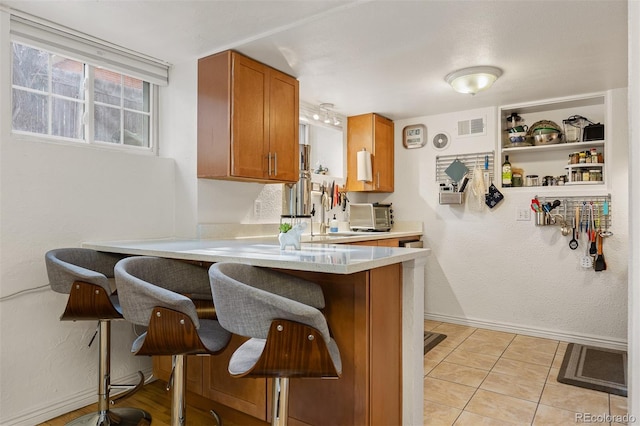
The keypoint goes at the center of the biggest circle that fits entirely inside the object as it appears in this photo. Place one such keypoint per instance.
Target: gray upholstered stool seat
(289, 335)
(87, 277)
(153, 293)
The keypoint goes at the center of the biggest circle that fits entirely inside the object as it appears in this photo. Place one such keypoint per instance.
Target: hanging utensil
(600, 264)
(605, 213)
(586, 261)
(565, 229)
(535, 205)
(573, 243)
(592, 233)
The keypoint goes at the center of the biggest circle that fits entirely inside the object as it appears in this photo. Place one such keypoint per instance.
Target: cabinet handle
(378, 180)
(275, 162)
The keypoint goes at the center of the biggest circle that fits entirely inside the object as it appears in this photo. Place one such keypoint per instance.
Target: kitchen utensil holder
(571, 202)
(469, 160)
(542, 219)
(451, 197)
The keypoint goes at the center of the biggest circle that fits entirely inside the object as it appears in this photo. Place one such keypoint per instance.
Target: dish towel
(493, 197)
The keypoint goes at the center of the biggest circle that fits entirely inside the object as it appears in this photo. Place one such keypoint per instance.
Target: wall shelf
(552, 160)
(557, 147)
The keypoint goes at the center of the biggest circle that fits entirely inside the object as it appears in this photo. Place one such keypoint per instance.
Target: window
(50, 94)
(70, 86)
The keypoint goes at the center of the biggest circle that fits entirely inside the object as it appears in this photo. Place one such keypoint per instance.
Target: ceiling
(389, 56)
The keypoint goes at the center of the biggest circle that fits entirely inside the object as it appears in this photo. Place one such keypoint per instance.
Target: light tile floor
(483, 377)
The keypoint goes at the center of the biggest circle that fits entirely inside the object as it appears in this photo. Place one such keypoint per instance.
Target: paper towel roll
(364, 166)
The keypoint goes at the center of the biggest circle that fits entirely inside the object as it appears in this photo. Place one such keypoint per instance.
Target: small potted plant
(285, 227)
(290, 235)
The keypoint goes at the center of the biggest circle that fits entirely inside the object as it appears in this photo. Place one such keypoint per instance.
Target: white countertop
(316, 257)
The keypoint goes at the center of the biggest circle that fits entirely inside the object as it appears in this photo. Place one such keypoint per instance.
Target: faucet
(323, 203)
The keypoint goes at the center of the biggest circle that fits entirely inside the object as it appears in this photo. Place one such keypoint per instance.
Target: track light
(326, 114)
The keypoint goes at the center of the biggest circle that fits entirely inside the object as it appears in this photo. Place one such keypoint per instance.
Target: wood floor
(154, 399)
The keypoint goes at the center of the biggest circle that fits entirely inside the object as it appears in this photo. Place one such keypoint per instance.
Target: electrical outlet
(523, 214)
(257, 209)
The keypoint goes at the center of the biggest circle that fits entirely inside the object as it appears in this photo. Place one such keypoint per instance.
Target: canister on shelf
(582, 157)
(586, 175)
(574, 158)
(533, 180)
(595, 175)
(516, 179)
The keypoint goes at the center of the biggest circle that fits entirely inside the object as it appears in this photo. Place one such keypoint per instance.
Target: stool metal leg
(280, 407)
(104, 416)
(178, 413)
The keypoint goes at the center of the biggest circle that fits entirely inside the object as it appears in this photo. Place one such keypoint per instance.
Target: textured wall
(59, 195)
(488, 268)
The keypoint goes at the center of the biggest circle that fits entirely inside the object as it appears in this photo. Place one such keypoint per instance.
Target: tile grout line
(492, 367)
(546, 379)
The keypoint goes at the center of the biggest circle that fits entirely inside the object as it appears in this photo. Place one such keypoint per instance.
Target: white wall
(490, 270)
(55, 195)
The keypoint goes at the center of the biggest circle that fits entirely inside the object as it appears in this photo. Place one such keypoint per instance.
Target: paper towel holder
(363, 166)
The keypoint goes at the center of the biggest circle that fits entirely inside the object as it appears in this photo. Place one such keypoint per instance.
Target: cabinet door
(375, 134)
(383, 154)
(250, 137)
(359, 137)
(283, 128)
(247, 395)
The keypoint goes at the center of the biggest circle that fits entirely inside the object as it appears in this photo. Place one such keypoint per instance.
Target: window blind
(84, 48)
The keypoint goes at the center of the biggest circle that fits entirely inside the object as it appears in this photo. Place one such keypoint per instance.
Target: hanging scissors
(535, 205)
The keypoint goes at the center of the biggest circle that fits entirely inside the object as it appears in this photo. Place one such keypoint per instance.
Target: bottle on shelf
(506, 172)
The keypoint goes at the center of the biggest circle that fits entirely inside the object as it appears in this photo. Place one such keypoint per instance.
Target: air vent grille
(474, 126)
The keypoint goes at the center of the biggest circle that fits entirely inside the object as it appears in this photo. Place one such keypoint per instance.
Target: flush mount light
(473, 80)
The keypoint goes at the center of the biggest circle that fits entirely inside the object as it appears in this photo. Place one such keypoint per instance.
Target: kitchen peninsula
(375, 310)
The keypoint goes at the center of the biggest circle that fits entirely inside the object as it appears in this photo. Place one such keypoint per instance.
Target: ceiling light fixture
(326, 114)
(323, 114)
(473, 80)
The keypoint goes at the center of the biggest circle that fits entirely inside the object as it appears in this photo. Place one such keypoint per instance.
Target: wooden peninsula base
(364, 312)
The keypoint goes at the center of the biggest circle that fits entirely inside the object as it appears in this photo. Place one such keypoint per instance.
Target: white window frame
(93, 53)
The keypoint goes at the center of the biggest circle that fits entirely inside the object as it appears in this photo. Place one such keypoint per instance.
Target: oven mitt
(493, 197)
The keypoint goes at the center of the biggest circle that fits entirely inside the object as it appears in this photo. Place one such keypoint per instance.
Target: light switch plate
(523, 214)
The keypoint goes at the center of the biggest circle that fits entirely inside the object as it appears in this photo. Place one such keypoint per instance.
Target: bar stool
(289, 336)
(152, 293)
(87, 277)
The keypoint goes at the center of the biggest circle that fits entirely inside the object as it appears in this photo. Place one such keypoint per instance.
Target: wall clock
(414, 136)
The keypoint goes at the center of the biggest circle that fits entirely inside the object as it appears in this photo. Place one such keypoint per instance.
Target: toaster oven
(370, 217)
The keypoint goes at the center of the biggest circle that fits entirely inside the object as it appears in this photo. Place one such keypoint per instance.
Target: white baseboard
(582, 339)
(67, 404)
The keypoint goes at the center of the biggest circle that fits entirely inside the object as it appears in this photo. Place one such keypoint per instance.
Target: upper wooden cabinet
(375, 134)
(247, 120)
